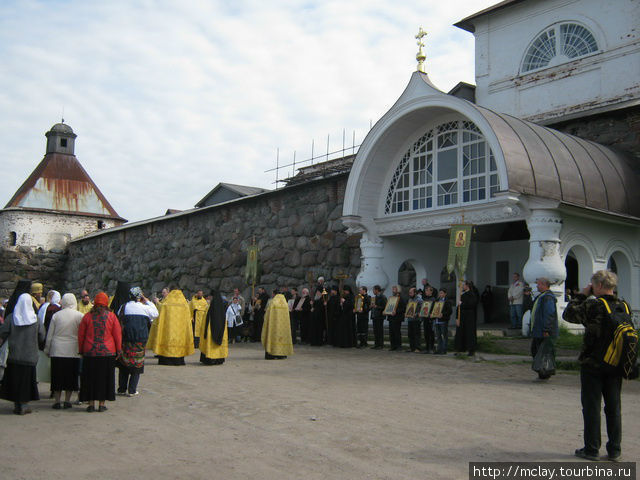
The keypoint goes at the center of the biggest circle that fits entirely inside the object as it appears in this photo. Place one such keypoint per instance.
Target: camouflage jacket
(591, 313)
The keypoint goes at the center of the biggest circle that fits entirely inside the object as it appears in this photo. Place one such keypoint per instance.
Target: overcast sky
(168, 98)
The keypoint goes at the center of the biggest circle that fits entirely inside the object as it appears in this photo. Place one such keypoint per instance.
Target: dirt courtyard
(323, 413)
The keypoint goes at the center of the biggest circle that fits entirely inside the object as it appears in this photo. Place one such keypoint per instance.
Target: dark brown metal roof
(59, 183)
(467, 23)
(547, 163)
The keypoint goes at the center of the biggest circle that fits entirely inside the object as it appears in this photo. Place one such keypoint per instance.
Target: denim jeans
(127, 382)
(442, 336)
(596, 385)
(516, 315)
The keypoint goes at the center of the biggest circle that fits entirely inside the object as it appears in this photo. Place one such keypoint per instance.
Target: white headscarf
(23, 314)
(69, 301)
(55, 297)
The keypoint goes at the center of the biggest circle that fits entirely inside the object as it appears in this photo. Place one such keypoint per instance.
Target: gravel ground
(323, 413)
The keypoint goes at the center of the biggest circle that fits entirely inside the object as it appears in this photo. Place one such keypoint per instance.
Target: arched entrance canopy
(531, 160)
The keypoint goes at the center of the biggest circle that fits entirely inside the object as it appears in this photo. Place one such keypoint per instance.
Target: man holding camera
(587, 309)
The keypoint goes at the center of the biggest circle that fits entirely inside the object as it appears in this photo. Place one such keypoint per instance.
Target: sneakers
(581, 453)
(613, 457)
(121, 393)
(133, 394)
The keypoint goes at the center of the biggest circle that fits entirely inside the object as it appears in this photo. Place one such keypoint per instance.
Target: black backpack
(621, 355)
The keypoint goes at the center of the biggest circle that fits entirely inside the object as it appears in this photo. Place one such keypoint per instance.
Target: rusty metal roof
(59, 183)
(547, 163)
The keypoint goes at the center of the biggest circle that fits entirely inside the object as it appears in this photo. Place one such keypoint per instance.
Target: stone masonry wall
(619, 129)
(36, 264)
(297, 228)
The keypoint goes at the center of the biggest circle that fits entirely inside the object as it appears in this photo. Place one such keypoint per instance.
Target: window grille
(557, 44)
(433, 170)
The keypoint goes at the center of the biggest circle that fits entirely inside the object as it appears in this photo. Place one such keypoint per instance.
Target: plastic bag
(545, 360)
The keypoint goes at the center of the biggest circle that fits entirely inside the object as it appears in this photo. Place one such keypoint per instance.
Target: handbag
(545, 360)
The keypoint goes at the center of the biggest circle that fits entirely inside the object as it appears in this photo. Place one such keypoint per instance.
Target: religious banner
(459, 243)
(425, 311)
(251, 273)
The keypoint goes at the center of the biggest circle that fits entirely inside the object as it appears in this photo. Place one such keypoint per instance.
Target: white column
(544, 227)
(371, 271)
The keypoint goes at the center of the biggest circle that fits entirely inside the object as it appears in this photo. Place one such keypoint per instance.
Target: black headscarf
(121, 297)
(216, 318)
(23, 286)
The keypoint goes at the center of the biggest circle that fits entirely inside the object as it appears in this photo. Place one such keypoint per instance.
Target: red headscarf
(101, 300)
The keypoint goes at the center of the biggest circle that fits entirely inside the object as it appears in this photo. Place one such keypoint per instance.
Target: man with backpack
(601, 313)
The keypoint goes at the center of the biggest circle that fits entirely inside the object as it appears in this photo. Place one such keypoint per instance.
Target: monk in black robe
(317, 321)
(362, 319)
(466, 336)
(346, 322)
(333, 316)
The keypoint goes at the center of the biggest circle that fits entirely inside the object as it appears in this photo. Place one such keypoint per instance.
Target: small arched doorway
(619, 264)
(572, 281)
(407, 276)
(579, 265)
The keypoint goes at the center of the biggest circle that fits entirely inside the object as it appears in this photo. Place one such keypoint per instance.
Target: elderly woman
(99, 341)
(24, 333)
(62, 347)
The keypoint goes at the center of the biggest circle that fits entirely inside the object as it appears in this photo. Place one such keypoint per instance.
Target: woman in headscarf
(214, 334)
(276, 332)
(24, 333)
(23, 286)
(99, 341)
(62, 347)
(135, 319)
(52, 308)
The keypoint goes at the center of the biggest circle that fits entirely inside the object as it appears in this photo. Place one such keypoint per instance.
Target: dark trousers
(442, 336)
(258, 320)
(428, 334)
(414, 335)
(127, 382)
(395, 337)
(596, 385)
(378, 332)
(294, 321)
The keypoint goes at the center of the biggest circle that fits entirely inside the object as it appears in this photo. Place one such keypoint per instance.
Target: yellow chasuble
(199, 306)
(276, 332)
(171, 333)
(209, 348)
(82, 308)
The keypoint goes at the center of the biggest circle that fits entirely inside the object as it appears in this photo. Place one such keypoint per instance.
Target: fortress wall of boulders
(297, 228)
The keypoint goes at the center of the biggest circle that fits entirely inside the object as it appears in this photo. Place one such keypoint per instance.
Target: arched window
(449, 165)
(13, 239)
(559, 44)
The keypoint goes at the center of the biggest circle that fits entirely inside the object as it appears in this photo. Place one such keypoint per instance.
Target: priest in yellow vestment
(276, 332)
(198, 306)
(171, 335)
(214, 346)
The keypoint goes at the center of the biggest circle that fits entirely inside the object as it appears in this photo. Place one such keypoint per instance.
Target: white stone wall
(599, 79)
(593, 241)
(45, 230)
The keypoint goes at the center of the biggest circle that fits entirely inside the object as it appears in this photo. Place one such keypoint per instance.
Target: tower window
(63, 142)
(558, 44)
(100, 224)
(13, 239)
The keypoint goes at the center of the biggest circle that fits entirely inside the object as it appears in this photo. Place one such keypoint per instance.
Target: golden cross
(420, 56)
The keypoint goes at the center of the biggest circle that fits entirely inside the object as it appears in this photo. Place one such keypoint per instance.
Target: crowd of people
(85, 341)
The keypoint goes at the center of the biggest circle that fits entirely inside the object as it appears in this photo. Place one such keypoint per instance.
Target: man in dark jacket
(588, 309)
(441, 321)
(544, 318)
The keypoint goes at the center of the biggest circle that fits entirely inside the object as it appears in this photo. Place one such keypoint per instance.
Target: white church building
(545, 203)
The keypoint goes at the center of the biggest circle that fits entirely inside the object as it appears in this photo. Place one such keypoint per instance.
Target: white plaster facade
(46, 230)
(606, 78)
